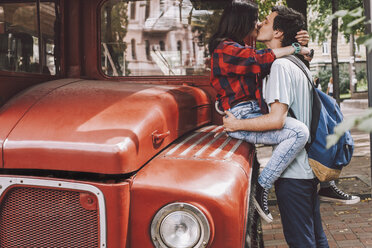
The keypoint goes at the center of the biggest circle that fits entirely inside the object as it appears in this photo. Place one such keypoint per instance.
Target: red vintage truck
(108, 130)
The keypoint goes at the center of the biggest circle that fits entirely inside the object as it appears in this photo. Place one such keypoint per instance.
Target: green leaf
(345, 125)
(368, 44)
(364, 38)
(340, 13)
(366, 125)
(363, 123)
(356, 21)
(356, 12)
(332, 140)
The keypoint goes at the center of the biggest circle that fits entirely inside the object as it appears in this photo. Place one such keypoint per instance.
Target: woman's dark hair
(237, 21)
(289, 22)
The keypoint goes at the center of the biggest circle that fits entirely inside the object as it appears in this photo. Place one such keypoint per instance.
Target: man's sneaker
(261, 205)
(334, 194)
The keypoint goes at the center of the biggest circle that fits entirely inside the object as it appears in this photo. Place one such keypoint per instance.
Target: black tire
(254, 236)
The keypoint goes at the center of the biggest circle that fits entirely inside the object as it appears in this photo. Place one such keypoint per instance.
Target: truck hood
(97, 126)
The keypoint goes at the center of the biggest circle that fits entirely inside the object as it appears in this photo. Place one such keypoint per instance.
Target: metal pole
(368, 11)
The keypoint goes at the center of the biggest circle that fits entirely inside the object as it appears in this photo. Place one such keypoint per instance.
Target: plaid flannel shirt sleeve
(231, 58)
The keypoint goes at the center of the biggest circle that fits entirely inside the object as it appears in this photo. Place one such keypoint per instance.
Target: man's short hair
(289, 22)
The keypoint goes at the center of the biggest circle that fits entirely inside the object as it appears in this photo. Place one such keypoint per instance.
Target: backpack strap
(316, 100)
(300, 65)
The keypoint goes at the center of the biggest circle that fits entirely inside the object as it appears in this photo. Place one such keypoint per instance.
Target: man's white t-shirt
(289, 85)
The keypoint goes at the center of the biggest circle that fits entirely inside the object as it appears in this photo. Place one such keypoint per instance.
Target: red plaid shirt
(237, 72)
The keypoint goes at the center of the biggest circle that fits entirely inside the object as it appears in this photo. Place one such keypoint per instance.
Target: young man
(287, 86)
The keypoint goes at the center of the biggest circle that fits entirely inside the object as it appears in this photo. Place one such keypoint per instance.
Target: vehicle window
(27, 41)
(157, 37)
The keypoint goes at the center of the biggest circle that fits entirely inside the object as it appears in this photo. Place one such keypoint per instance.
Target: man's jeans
(290, 141)
(298, 203)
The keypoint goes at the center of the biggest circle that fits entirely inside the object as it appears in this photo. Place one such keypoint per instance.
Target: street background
(344, 225)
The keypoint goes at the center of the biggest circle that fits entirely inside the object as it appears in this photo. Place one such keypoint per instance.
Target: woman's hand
(230, 122)
(309, 57)
(305, 50)
(307, 53)
(303, 37)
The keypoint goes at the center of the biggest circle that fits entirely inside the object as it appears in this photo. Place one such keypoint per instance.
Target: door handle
(157, 136)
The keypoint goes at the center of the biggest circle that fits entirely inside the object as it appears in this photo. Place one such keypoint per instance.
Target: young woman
(237, 71)
(330, 87)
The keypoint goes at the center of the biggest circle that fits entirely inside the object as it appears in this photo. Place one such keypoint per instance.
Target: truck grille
(43, 217)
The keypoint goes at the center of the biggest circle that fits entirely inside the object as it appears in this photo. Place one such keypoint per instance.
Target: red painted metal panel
(16, 108)
(197, 171)
(102, 127)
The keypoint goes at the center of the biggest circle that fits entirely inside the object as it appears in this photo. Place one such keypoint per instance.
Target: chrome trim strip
(209, 144)
(233, 149)
(219, 149)
(6, 182)
(187, 139)
(199, 141)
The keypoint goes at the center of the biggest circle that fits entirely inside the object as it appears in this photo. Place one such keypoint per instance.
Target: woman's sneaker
(334, 194)
(261, 205)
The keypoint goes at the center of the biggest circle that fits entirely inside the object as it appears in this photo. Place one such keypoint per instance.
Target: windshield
(157, 37)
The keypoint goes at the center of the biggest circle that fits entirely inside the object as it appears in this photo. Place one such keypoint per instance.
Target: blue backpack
(326, 114)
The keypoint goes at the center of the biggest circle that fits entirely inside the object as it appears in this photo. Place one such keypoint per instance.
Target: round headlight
(180, 230)
(180, 225)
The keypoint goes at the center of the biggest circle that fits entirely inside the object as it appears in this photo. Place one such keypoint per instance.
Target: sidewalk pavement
(344, 225)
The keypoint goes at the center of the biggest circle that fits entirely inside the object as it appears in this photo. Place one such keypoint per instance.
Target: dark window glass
(133, 10)
(179, 49)
(147, 10)
(28, 41)
(147, 44)
(133, 44)
(162, 45)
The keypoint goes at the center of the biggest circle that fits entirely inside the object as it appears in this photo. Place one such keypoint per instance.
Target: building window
(133, 45)
(357, 48)
(179, 49)
(162, 5)
(147, 10)
(133, 10)
(325, 49)
(162, 45)
(147, 46)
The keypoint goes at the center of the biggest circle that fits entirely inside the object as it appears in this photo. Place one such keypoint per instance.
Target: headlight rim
(205, 230)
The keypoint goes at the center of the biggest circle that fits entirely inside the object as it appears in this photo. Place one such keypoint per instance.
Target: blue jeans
(290, 140)
(298, 203)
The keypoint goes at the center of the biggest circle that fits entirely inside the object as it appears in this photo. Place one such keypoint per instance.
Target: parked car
(108, 130)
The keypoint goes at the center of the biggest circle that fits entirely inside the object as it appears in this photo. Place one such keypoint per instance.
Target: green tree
(326, 74)
(114, 28)
(265, 6)
(363, 122)
(319, 30)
